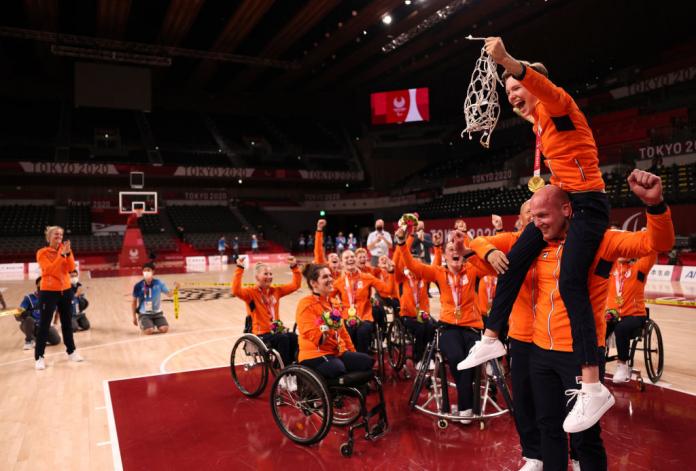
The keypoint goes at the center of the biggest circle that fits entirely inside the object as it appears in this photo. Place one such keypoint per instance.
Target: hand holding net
(481, 107)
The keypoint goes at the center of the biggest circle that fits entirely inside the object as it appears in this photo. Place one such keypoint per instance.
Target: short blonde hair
(361, 250)
(51, 229)
(259, 267)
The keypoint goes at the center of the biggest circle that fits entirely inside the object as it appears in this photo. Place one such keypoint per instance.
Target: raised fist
(646, 186)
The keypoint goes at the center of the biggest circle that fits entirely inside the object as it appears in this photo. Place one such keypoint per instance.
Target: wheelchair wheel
(379, 341)
(421, 375)
(303, 412)
(396, 345)
(346, 409)
(653, 351)
(248, 365)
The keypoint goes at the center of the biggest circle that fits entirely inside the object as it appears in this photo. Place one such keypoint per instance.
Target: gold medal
(535, 183)
(458, 312)
(352, 311)
(619, 300)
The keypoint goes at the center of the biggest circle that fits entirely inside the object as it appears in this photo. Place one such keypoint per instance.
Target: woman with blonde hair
(56, 262)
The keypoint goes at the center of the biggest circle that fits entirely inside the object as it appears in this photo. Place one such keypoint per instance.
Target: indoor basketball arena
(366, 234)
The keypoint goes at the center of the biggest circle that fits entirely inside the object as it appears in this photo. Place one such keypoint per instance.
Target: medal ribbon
(537, 153)
(456, 288)
(620, 279)
(415, 289)
(268, 303)
(350, 290)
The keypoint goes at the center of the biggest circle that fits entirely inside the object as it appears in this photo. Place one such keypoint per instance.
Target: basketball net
(138, 212)
(481, 107)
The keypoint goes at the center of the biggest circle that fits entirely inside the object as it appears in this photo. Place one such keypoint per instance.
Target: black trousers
(455, 343)
(552, 373)
(422, 334)
(523, 398)
(586, 230)
(49, 301)
(333, 367)
(624, 331)
(285, 344)
(362, 336)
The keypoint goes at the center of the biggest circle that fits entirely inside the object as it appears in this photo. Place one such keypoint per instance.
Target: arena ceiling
(227, 47)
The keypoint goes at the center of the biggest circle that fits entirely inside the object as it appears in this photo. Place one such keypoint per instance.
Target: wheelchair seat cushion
(355, 378)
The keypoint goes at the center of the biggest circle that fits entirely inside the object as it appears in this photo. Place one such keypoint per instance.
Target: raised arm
(421, 270)
(492, 249)
(319, 242)
(556, 100)
(296, 282)
(237, 290)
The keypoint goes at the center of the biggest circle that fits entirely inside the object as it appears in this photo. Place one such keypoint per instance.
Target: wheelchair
(647, 339)
(252, 361)
(488, 378)
(306, 412)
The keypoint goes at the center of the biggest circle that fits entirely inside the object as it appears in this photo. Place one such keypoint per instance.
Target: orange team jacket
(522, 316)
(55, 269)
(567, 142)
(486, 293)
(629, 279)
(261, 316)
(308, 318)
(551, 323)
(463, 282)
(358, 285)
(412, 284)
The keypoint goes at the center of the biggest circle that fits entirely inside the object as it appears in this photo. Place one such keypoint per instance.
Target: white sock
(592, 388)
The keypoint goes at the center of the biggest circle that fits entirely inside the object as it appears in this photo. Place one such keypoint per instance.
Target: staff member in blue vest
(147, 296)
(30, 318)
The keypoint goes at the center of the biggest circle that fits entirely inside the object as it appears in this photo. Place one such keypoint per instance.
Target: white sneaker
(431, 365)
(485, 349)
(289, 383)
(532, 465)
(622, 373)
(29, 345)
(466, 415)
(74, 356)
(40, 364)
(575, 464)
(588, 408)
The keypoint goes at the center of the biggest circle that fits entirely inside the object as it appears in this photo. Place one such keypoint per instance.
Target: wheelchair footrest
(356, 378)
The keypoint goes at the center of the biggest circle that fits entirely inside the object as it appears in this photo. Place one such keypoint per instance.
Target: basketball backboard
(131, 201)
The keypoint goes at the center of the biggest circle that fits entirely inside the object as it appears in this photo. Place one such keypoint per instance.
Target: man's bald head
(550, 208)
(525, 213)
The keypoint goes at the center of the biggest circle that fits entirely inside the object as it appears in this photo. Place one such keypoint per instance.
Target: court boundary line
(163, 365)
(113, 434)
(147, 375)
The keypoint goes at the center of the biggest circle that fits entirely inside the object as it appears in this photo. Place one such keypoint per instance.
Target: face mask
(147, 275)
(380, 228)
(74, 279)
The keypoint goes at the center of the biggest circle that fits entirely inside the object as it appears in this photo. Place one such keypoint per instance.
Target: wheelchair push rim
(396, 345)
(303, 412)
(249, 365)
(654, 355)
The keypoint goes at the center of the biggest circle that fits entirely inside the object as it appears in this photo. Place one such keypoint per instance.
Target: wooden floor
(57, 418)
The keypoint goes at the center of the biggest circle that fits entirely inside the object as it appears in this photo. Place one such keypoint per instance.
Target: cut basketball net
(481, 107)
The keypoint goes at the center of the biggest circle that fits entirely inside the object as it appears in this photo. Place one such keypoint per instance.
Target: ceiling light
(407, 2)
(387, 19)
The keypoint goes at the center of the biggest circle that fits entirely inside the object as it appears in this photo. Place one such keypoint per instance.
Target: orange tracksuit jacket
(551, 322)
(567, 142)
(260, 316)
(55, 269)
(410, 280)
(359, 284)
(309, 318)
(522, 318)
(465, 280)
(634, 276)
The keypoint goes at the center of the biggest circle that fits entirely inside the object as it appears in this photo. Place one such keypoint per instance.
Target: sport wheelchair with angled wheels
(251, 362)
(648, 339)
(438, 388)
(306, 411)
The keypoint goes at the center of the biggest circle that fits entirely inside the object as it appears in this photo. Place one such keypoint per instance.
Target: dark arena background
(150, 129)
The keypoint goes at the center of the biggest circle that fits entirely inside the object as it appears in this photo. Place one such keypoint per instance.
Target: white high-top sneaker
(622, 373)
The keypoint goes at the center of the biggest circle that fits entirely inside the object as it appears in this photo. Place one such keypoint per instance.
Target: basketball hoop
(481, 107)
